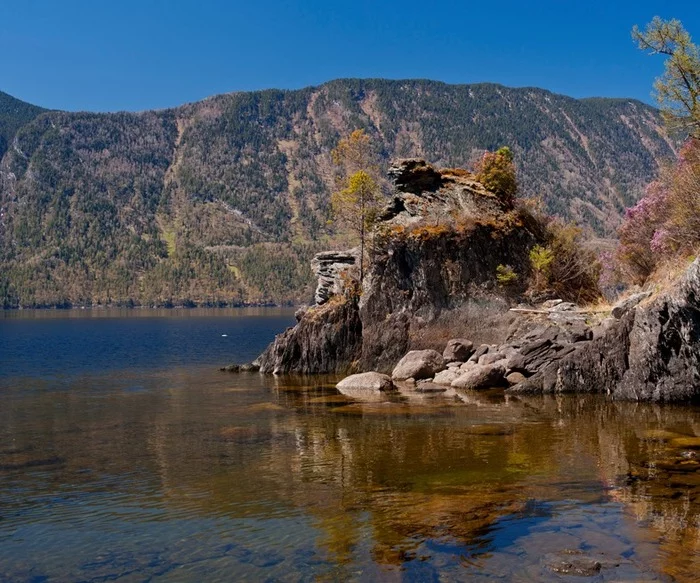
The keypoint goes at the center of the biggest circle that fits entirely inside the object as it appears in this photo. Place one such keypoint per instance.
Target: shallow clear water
(126, 455)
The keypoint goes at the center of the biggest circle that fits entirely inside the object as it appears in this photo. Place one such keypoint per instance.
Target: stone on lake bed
(388, 409)
(242, 434)
(686, 442)
(573, 564)
(428, 387)
(372, 381)
(660, 435)
(264, 407)
(489, 430)
(332, 400)
(419, 364)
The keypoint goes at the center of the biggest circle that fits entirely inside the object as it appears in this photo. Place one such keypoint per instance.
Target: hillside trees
(358, 198)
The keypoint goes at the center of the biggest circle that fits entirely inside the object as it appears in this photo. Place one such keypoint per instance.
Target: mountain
(13, 115)
(226, 200)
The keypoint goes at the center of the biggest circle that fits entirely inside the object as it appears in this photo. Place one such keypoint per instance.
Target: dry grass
(665, 276)
(461, 172)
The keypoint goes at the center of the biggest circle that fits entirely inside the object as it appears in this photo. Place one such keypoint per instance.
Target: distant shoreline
(193, 306)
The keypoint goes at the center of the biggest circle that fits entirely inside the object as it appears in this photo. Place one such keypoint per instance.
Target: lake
(126, 455)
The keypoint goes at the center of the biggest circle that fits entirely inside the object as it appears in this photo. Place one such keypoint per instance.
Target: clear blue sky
(104, 55)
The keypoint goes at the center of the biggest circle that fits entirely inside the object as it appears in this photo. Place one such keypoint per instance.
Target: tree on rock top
(496, 172)
(358, 197)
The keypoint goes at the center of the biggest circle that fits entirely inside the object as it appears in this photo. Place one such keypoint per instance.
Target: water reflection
(198, 475)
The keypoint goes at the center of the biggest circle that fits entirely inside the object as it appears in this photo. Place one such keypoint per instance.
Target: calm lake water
(125, 455)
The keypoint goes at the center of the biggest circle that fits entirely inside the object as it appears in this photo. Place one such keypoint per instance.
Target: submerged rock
(429, 387)
(573, 563)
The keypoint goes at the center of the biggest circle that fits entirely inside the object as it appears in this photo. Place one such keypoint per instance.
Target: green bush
(505, 276)
(496, 172)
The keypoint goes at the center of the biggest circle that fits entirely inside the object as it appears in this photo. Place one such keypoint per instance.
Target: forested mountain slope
(13, 115)
(225, 200)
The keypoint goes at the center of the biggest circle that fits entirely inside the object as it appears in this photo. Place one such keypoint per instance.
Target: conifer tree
(678, 89)
(357, 200)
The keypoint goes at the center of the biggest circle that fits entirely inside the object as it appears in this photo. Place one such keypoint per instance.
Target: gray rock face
(419, 364)
(480, 377)
(458, 349)
(328, 267)
(652, 353)
(627, 304)
(415, 176)
(327, 339)
(374, 381)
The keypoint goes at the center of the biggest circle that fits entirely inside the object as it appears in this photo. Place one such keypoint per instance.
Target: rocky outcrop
(328, 338)
(424, 265)
(416, 176)
(628, 303)
(422, 191)
(652, 353)
(417, 278)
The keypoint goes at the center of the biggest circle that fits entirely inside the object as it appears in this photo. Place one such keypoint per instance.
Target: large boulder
(374, 381)
(458, 349)
(481, 377)
(419, 364)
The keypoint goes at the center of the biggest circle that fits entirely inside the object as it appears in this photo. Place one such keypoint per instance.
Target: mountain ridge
(226, 199)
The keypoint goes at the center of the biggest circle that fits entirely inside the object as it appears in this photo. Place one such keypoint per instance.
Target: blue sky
(132, 55)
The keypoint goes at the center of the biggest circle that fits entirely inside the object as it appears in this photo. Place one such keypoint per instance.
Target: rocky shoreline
(429, 283)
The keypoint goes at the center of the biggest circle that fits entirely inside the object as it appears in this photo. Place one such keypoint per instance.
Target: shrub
(665, 223)
(496, 172)
(505, 276)
(541, 259)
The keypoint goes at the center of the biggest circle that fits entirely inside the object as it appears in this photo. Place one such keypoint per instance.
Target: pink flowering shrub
(666, 222)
